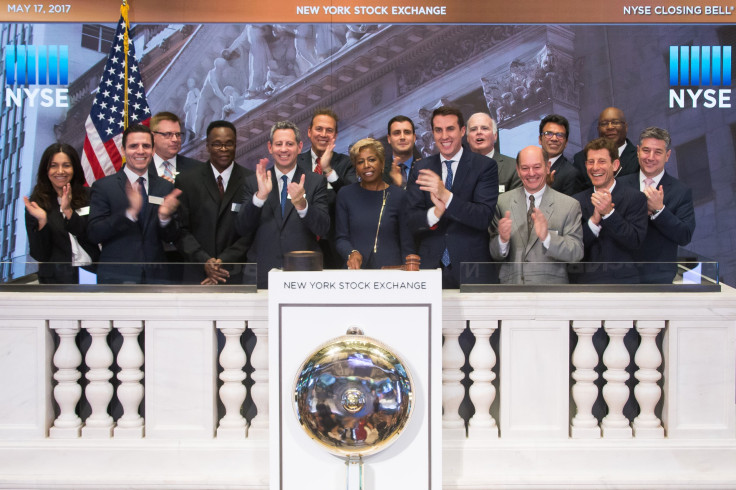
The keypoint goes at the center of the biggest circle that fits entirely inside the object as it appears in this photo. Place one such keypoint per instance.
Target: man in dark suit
(554, 131)
(285, 207)
(614, 219)
(167, 139)
(211, 198)
(131, 213)
(482, 135)
(401, 138)
(669, 204)
(335, 167)
(612, 126)
(452, 197)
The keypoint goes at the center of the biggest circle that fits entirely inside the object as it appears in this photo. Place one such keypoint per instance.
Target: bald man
(612, 126)
(482, 135)
(536, 230)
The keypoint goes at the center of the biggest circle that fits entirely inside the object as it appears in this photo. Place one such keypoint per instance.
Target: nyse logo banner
(29, 70)
(704, 70)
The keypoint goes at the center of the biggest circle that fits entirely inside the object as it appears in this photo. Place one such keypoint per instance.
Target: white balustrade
(99, 391)
(130, 390)
(585, 391)
(615, 392)
(482, 392)
(68, 391)
(259, 391)
(647, 391)
(232, 392)
(453, 391)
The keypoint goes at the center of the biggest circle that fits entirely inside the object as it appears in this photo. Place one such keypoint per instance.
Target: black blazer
(123, 240)
(183, 164)
(208, 223)
(272, 235)
(51, 246)
(566, 177)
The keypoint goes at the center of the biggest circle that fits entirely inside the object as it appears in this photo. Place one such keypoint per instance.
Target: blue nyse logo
(27, 67)
(697, 67)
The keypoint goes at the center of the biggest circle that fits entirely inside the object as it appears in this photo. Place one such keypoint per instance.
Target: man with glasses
(553, 133)
(167, 139)
(612, 126)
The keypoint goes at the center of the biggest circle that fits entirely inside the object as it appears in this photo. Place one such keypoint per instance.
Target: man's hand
(551, 177)
(439, 206)
(432, 183)
(36, 211)
(297, 194)
(263, 177)
(540, 224)
(655, 199)
(135, 199)
(168, 207)
(355, 260)
(602, 203)
(215, 272)
(397, 176)
(325, 159)
(504, 227)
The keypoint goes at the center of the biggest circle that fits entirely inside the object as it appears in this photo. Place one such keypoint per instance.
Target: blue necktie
(144, 195)
(285, 180)
(448, 185)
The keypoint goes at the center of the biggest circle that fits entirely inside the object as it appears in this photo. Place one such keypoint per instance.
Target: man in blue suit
(669, 204)
(614, 219)
(285, 208)
(131, 213)
(451, 200)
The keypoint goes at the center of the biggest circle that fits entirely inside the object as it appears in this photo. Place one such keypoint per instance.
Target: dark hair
(556, 119)
(400, 119)
(285, 125)
(221, 124)
(44, 194)
(602, 144)
(136, 128)
(324, 111)
(447, 110)
(163, 116)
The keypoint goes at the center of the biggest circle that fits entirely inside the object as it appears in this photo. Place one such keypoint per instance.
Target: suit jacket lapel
(463, 169)
(304, 161)
(152, 210)
(518, 213)
(274, 200)
(547, 208)
(289, 208)
(236, 179)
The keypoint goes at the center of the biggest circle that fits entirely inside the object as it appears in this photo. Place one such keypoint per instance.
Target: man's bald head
(612, 125)
(532, 168)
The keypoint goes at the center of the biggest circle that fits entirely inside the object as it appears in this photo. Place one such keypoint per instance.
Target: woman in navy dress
(371, 232)
(56, 217)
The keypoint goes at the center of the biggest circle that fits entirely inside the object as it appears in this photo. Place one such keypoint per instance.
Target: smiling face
(532, 169)
(221, 146)
(612, 125)
(448, 135)
(653, 154)
(480, 133)
(60, 171)
(601, 169)
(138, 152)
(284, 149)
(555, 141)
(368, 167)
(167, 148)
(402, 139)
(321, 133)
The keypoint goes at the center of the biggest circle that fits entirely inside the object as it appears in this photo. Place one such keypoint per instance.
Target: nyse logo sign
(702, 69)
(35, 66)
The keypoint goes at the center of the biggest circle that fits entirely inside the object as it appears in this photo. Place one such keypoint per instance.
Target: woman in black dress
(56, 217)
(371, 232)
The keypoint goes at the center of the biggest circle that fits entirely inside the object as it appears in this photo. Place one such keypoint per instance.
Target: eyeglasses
(550, 134)
(169, 135)
(614, 122)
(222, 146)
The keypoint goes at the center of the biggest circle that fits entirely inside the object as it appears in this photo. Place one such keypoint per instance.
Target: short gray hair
(657, 134)
(285, 125)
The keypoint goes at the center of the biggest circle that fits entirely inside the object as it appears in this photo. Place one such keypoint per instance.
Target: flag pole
(124, 12)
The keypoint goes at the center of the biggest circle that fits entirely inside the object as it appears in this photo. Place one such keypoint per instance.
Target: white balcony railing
(529, 409)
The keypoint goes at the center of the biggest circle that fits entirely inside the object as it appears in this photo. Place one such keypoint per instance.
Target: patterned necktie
(168, 169)
(403, 168)
(648, 182)
(285, 180)
(448, 180)
(529, 219)
(220, 187)
(144, 196)
(318, 167)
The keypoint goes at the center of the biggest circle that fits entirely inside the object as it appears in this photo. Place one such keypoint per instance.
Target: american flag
(103, 144)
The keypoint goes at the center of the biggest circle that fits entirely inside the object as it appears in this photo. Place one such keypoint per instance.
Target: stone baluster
(259, 391)
(67, 392)
(452, 375)
(232, 392)
(615, 392)
(584, 391)
(99, 391)
(647, 391)
(130, 391)
(482, 392)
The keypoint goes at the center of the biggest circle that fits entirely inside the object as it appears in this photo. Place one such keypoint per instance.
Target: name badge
(501, 188)
(83, 211)
(155, 200)
(235, 208)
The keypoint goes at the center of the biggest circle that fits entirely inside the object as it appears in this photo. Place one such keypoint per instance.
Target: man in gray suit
(536, 229)
(482, 135)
